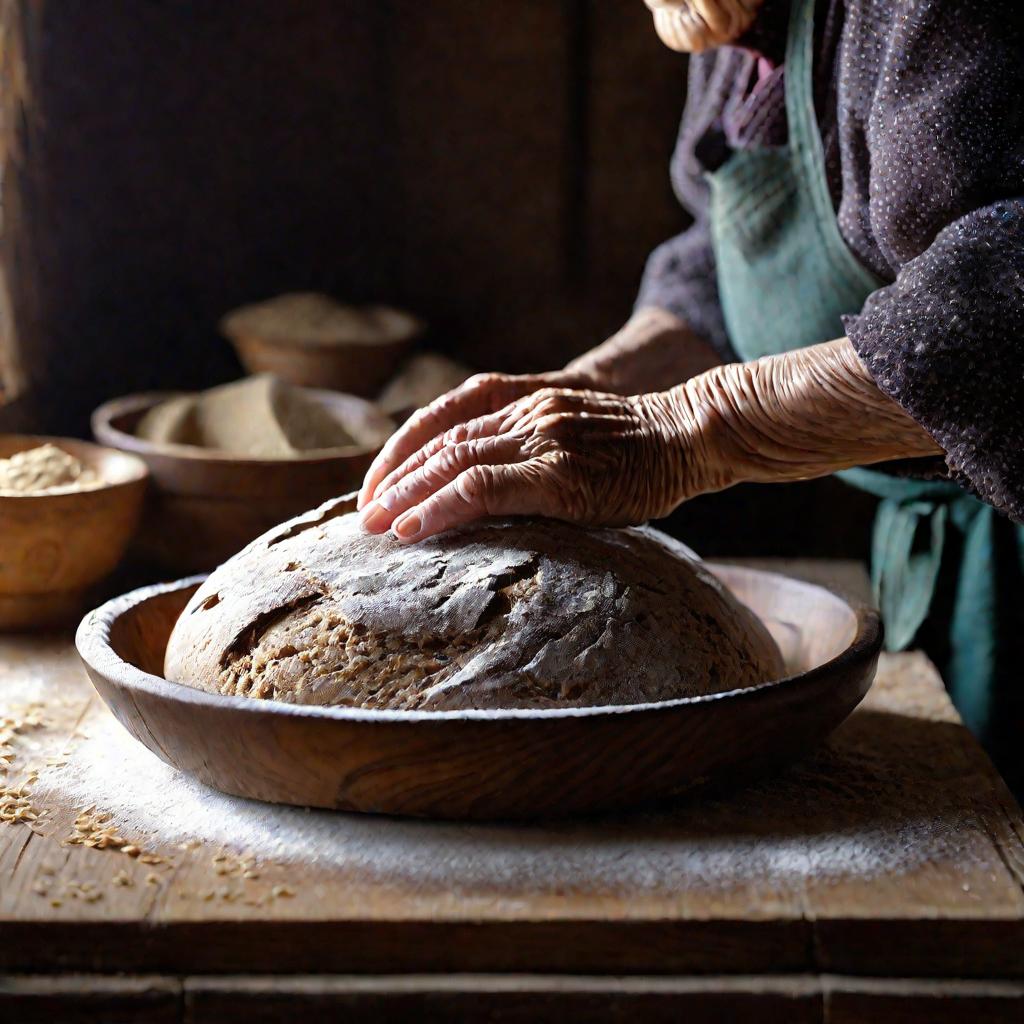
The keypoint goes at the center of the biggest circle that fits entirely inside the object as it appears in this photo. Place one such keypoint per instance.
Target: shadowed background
(499, 168)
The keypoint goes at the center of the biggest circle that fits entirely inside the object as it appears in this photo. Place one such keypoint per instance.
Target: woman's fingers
(480, 491)
(421, 426)
(555, 452)
(435, 473)
(478, 396)
(482, 426)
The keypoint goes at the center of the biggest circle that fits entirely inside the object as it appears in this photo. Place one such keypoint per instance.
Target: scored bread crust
(506, 614)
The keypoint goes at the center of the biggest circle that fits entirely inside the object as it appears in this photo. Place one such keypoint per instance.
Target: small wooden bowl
(54, 546)
(487, 764)
(356, 368)
(205, 506)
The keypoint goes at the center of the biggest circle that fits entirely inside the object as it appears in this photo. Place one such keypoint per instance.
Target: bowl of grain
(310, 339)
(229, 463)
(68, 510)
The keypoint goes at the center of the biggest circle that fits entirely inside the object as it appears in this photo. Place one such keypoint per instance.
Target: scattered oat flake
(152, 879)
(281, 892)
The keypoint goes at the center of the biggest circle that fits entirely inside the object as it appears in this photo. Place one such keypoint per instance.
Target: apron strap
(805, 143)
(976, 622)
(906, 555)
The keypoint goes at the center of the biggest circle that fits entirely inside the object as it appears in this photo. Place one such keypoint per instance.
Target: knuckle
(546, 405)
(455, 435)
(559, 426)
(446, 463)
(482, 381)
(451, 457)
(475, 485)
(549, 401)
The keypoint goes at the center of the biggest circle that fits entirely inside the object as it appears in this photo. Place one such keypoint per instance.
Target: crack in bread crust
(308, 656)
(531, 613)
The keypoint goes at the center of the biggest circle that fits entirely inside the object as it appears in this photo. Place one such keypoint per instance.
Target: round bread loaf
(509, 614)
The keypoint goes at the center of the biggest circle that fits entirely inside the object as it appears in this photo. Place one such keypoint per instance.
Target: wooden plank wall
(500, 167)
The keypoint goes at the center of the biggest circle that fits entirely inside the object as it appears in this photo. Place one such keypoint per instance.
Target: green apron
(785, 277)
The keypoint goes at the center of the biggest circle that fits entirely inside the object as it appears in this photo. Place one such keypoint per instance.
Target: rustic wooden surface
(515, 999)
(895, 851)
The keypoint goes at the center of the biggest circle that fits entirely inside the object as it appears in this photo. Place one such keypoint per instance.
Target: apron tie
(908, 544)
(904, 568)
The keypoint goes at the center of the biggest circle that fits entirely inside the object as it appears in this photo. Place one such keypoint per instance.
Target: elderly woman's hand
(652, 351)
(601, 459)
(482, 394)
(582, 456)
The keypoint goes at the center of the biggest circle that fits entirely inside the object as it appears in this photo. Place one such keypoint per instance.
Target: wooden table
(882, 880)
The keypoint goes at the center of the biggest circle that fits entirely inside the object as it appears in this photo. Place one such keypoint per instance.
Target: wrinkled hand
(581, 456)
(601, 459)
(480, 395)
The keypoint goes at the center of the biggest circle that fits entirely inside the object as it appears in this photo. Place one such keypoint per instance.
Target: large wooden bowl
(54, 546)
(204, 506)
(487, 764)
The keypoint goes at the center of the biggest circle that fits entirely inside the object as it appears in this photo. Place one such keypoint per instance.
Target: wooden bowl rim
(120, 440)
(414, 326)
(94, 647)
(137, 472)
(343, 348)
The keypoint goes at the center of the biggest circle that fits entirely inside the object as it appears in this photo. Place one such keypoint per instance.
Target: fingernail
(408, 526)
(374, 518)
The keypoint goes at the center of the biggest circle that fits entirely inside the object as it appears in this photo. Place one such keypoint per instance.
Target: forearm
(794, 416)
(652, 352)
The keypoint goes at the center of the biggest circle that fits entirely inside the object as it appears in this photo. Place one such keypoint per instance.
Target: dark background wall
(498, 166)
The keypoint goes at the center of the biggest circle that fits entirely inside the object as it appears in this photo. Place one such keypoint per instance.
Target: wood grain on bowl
(54, 545)
(204, 506)
(311, 340)
(488, 764)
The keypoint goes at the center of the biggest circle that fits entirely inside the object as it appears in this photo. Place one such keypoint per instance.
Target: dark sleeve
(680, 277)
(946, 339)
(680, 273)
